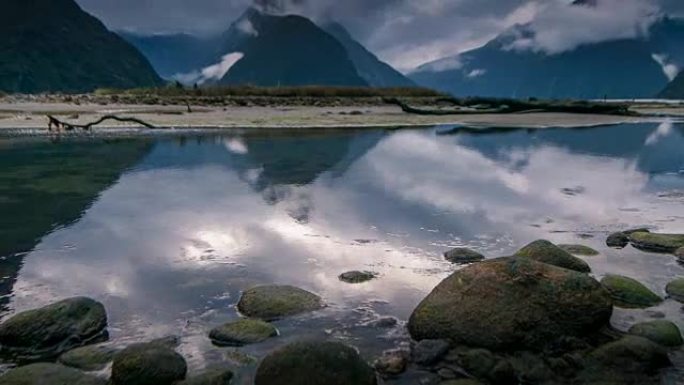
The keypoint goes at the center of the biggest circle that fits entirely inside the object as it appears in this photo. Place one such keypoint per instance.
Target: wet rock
(478, 362)
(51, 330)
(52, 374)
(392, 363)
(429, 352)
(617, 240)
(169, 342)
(630, 360)
(271, 303)
(384, 323)
(661, 332)
(675, 289)
(213, 376)
(314, 363)
(147, 364)
(357, 276)
(239, 358)
(242, 332)
(546, 252)
(579, 250)
(629, 293)
(532, 369)
(511, 303)
(636, 230)
(88, 358)
(660, 243)
(679, 253)
(462, 255)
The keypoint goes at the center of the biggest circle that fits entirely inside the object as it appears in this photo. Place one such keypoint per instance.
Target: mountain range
(53, 45)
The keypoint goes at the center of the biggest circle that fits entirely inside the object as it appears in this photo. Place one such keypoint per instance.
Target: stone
(661, 332)
(357, 276)
(429, 352)
(271, 303)
(546, 252)
(478, 362)
(679, 253)
(392, 363)
(511, 304)
(52, 374)
(579, 250)
(629, 293)
(314, 362)
(384, 323)
(147, 364)
(88, 358)
(675, 289)
(660, 243)
(212, 376)
(462, 255)
(242, 332)
(51, 330)
(617, 240)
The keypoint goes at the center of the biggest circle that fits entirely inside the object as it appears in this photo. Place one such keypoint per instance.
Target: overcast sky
(408, 33)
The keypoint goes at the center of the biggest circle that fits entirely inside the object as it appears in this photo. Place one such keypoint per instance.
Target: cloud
(669, 69)
(213, 72)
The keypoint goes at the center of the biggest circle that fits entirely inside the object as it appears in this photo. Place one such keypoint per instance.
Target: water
(167, 231)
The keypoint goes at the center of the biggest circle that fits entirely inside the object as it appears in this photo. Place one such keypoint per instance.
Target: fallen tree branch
(60, 125)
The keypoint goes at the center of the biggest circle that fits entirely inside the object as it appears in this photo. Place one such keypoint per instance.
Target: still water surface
(167, 231)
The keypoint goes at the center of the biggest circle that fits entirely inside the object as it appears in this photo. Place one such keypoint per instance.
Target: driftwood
(65, 126)
(512, 106)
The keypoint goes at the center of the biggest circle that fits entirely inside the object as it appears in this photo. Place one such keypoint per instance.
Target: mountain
(369, 67)
(674, 90)
(53, 45)
(285, 50)
(627, 68)
(174, 54)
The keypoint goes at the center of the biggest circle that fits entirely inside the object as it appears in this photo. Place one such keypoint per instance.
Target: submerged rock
(88, 358)
(51, 330)
(428, 352)
(511, 304)
(629, 293)
(661, 332)
(242, 332)
(462, 255)
(148, 364)
(546, 252)
(48, 374)
(392, 363)
(270, 303)
(618, 240)
(213, 376)
(675, 289)
(314, 363)
(661, 243)
(357, 276)
(579, 250)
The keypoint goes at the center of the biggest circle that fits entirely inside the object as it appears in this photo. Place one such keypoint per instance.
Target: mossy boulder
(579, 250)
(629, 360)
(314, 363)
(147, 364)
(88, 358)
(617, 240)
(511, 304)
(357, 276)
(212, 376)
(48, 374)
(462, 255)
(661, 243)
(546, 252)
(51, 330)
(662, 332)
(629, 293)
(271, 303)
(429, 352)
(242, 332)
(675, 289)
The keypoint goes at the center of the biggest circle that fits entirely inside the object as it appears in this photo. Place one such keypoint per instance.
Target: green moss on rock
(88, 358)
(511, 304)
(212, 376)
(662, 332)
(314, 362)
(242, 332)
(275, 302)
(617, 240)
(357, 276)
(52, 374)
(546, 252)
(462, 255)
(579, 250)
(675, 289)
(147, 364)
(629, 293)
(662, 243)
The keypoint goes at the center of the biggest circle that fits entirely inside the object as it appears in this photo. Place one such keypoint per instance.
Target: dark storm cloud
(404, 32)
